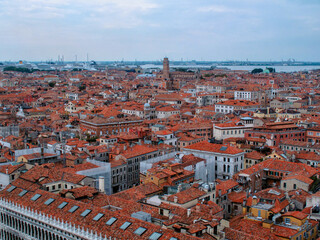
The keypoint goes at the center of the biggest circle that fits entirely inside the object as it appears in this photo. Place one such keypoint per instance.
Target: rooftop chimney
(198, 207)
(179, 188)
(188, 212)
(254, 200)
(101, 184)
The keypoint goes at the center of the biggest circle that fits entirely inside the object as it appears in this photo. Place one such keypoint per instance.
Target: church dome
(146, 105)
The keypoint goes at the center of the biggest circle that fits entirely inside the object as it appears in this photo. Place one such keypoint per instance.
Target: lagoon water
(278, 68)
(245, 68)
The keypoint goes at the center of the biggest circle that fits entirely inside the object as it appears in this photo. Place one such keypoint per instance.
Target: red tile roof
(254, 155)
(224, 186)
(296, 214)
(163, 132)
(138, 150)
(87, 222)
(308, 156)
(186, 195)
(51, 172)
(80, 192)
(211, 147)
(9, 168)
(280, 165)
(247, 229)
(298, 176)
(237, 197)
(284, 232)
(139, 192)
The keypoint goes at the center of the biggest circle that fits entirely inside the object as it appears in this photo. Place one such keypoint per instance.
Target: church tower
(166, 69)
(263, 99)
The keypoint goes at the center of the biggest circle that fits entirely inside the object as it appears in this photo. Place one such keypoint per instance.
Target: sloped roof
(211, 147)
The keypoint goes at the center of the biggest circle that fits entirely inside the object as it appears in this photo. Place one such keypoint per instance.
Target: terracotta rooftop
(10, 168)
(296, 214)
(87, 221)
(217, 148)
(139, 192)
(186, 195)
(137, 150)
(247, 229)
(224, 186)
(254, 155)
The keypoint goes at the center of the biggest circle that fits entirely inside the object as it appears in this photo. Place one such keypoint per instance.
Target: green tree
(18, 69)
(272, 70)
(82, 87)
(257, 70)
(52, 84)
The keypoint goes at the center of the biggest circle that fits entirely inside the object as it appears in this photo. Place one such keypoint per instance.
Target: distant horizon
(160, 60)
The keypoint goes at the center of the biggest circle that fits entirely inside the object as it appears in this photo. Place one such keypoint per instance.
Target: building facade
(235, 105)
(274, 133)
(99, 126)
(227, 160)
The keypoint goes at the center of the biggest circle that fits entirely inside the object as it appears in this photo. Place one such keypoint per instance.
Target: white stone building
(232, 129)
(166, 111)
(234, 105)
(228, 160)
(167, 137)
(246, 95)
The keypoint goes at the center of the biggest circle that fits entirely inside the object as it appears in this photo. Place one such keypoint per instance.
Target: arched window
(42, 234)
(47, 235)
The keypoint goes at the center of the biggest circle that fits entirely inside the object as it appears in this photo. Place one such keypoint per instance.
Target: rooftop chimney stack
(101, 184)
(188, 212)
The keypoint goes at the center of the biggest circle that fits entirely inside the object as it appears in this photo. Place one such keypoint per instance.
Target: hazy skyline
(151, 29)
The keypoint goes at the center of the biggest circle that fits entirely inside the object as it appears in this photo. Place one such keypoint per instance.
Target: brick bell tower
(166, 69)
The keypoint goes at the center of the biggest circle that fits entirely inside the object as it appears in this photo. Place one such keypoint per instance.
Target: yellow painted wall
(22, 159)
(255, 213)
(295, 221)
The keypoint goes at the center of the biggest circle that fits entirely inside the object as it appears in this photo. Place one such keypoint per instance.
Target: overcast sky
(151, 29)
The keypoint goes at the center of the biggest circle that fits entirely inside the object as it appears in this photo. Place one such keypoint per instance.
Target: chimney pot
(188, 212)
(101, 184)
(198, 207)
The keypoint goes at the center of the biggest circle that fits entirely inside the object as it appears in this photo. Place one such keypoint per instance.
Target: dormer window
(42, 178)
